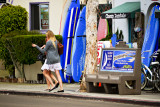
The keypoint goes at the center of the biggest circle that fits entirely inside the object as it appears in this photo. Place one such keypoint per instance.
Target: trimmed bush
(22, 45)
(12, 18)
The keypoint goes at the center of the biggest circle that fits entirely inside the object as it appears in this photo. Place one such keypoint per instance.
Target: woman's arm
(34, 45)
(43, 46)
(40, 49)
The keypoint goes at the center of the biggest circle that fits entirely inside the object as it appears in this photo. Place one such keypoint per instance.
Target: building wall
(55, 9)
(121, 24)
(31, 71)
(146, 6)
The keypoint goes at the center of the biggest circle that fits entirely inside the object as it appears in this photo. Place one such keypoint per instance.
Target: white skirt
(51, 67)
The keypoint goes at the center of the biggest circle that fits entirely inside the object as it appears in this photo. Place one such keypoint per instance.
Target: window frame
(30, 19)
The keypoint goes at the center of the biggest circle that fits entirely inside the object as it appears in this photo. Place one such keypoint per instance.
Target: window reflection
(44, 16)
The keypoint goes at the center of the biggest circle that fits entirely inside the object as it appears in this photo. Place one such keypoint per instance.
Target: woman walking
(48, 72)
(52, 59)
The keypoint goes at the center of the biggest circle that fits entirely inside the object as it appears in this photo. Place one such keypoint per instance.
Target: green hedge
(22, 44)
(12, 18)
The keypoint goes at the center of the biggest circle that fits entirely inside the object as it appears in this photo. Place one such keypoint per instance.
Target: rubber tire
(157, 84)
(150, 85)
(129, 83)
(143, 85)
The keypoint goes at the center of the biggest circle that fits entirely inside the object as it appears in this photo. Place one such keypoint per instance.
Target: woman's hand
(43, 46)
(34, 45)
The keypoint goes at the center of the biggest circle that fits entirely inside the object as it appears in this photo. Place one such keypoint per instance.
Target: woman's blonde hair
(50, 35)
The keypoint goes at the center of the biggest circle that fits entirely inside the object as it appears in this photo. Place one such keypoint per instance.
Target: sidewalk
(72, 90)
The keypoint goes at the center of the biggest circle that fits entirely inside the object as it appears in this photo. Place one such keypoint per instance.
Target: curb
(118, 100)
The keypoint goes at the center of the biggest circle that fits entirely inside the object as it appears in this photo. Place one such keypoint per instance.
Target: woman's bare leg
(48, 84)
(53, 77)
(46, 74)
(59, 79)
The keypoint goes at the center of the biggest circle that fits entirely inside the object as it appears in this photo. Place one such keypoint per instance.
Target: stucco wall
(31, 71)
(55, 9)
(56, 6)
(146, 6)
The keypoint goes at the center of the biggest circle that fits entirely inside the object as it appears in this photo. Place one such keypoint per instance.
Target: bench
(114, 82)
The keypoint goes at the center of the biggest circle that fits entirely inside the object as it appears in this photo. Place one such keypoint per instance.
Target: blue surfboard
(79, 47)
(157, 43)
(150, 37)
(68, 34)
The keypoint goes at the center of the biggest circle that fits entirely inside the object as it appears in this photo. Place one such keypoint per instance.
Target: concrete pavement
(148, 98)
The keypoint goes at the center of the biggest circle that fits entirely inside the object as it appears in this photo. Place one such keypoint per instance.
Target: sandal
(60, 91)
(52, 89)
(57, 85)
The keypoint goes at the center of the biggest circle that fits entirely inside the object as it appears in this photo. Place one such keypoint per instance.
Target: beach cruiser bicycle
(150, 76)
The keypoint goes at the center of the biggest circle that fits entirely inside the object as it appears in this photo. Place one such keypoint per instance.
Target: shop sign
(100, 46)
(116, 15)
(117, 60)
(45, 23)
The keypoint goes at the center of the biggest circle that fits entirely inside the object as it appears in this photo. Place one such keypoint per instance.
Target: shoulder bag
(60, 48)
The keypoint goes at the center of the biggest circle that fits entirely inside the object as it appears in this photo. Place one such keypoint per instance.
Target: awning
(126, 10)
(157, 14)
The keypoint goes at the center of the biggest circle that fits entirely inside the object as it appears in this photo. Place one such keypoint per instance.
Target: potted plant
(108, 36)
(119, 35)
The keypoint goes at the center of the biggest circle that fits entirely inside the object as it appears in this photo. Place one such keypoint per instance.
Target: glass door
(44, 16)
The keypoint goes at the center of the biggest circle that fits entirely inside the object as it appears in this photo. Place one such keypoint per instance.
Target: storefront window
(132, 33)
(39, 16)
(44, 16)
